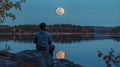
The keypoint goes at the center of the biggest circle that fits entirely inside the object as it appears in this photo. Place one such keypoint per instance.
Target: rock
(33, 58)
(7, 63)
(27, 58)
(6, 53)
(4, 57)
(64, 63)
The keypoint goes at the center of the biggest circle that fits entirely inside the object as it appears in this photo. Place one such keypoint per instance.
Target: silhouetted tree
(110, 58)
(6, 6)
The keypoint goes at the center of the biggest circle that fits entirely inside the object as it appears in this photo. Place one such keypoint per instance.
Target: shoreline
(62, 33)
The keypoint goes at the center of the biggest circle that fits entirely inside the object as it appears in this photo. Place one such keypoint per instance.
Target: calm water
(81, 49)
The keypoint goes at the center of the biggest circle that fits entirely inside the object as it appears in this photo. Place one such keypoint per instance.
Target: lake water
(81, 49)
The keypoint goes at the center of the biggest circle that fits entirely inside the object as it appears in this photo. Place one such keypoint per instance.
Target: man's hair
(42, 25)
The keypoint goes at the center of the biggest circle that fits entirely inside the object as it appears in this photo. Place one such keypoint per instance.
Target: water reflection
(17, 38)
(82, 52)
(71, 38)
(58, 38)
(60, 54)
(116, 38)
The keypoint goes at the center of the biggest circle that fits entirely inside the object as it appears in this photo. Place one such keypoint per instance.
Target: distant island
(59, 29)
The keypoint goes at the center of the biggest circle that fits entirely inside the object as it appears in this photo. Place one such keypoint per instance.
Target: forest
(115, 30)
(56, 28)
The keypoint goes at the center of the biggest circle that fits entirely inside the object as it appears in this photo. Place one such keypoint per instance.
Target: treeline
(69, 28)
(19, 29)
(115, 30)
(57, 28)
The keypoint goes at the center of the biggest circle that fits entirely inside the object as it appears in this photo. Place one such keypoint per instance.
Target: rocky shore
(65, 63)
(32, 58)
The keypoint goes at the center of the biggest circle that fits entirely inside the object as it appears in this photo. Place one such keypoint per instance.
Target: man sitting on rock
(43, 40)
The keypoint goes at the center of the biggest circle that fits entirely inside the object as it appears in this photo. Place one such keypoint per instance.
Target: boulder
(7, 63)
(26, 58)
(65, 63)
(33, 58)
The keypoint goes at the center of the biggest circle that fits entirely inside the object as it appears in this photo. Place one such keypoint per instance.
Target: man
(43, 40)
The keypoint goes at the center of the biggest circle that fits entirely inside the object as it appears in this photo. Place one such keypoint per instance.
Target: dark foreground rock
(32, 58)
(27, 58)
(64, 63)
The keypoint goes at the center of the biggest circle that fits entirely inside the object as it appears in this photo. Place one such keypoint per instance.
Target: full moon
(60, 11)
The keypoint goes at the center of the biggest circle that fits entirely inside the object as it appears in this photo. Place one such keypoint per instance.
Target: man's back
(43, 39)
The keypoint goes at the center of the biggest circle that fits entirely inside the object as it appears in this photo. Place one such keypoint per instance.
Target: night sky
(78, 12)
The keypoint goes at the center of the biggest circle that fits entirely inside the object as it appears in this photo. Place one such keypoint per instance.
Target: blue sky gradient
(78, 12)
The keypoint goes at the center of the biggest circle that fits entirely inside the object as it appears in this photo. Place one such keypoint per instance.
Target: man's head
(42, 25)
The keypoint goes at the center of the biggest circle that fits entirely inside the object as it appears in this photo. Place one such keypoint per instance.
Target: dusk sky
(78, 12)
